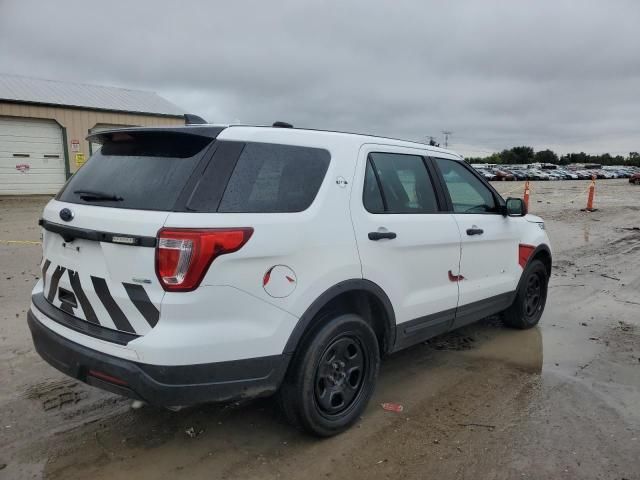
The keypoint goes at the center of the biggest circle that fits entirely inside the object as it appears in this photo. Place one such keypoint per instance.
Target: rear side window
(137, 170)
(273, 178)
(396, 183)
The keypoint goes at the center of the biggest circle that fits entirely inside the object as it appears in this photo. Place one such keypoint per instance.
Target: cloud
(560, 74)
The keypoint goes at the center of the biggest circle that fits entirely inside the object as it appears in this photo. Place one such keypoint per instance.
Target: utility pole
(446, 134)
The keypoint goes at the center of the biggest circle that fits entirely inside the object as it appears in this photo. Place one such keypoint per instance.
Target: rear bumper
(160, 385)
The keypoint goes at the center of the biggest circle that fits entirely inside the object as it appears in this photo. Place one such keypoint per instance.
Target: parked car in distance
(234, 262)
(486, 174)
(584, 174)
(518, 174)
(535, 174)
(635, 179)
(502, 175)
(567, 174)
(555, 175)
(547, 172)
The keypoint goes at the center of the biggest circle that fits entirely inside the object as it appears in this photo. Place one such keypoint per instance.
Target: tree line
(524, 155)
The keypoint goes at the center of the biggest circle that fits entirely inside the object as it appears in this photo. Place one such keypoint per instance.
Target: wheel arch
(358, 293)
(543, 253)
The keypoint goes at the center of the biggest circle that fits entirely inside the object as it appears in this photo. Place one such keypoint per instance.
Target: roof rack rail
(190, 119)
(279, 124)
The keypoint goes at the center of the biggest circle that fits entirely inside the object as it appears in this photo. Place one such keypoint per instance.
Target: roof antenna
(282, 125)
(190, 119)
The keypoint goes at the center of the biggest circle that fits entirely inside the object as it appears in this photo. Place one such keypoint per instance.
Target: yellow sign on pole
(80, 159)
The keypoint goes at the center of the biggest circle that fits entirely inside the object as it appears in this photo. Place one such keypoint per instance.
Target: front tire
(332, 377)
(531, 297)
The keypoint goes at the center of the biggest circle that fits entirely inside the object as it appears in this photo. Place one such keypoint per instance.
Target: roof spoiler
(209, 131)
(190, 119)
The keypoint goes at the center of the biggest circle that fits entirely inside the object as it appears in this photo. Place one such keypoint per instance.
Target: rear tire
(531, 297)
(332, 376)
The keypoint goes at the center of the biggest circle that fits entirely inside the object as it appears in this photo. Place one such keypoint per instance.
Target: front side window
(468, 194)
(396, 183)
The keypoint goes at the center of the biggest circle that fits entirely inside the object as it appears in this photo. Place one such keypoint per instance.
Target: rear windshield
(141, 170)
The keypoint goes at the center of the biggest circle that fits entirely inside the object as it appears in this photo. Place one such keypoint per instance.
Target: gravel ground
(559, 401)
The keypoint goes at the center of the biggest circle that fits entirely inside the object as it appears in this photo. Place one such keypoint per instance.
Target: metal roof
(17, 88)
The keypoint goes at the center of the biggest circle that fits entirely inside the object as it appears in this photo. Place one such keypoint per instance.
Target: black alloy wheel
(332, 375)
(531, 297)
(339, 375)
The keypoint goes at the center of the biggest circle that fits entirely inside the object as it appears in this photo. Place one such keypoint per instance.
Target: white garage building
(44, 124)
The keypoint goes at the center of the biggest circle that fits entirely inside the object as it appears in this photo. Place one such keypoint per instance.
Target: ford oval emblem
(66, 214)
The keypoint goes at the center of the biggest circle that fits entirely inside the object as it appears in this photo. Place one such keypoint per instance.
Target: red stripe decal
(524, 252)
(266, 277)
(455, 278)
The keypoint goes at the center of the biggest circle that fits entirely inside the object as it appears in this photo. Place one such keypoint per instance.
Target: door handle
(380, 235)
(475, 231)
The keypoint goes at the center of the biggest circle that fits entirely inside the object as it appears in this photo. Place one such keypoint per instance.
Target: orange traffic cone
(526, 194)
(592, 194)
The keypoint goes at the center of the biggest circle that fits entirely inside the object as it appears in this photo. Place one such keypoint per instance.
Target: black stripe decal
(55, 278)
(140, 299)
(84, 302)
(116, 314)
(45, 267)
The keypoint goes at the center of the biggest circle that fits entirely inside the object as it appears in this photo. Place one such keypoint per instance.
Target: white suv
(208, 263)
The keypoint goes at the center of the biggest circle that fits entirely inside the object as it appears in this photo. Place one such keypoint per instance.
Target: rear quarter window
(274, 178)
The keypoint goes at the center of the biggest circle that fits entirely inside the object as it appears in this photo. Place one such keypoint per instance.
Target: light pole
(446, 137)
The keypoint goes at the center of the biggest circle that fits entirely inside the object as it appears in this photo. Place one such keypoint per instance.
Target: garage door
(31, 156)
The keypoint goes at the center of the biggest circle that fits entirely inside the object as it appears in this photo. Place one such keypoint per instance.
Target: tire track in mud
(56, 394)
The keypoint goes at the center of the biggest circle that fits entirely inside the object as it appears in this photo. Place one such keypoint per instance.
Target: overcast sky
(558, 74)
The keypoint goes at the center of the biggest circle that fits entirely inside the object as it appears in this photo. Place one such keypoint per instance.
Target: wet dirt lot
(559, 401)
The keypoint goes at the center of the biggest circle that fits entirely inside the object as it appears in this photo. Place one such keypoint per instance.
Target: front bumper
(155, 384)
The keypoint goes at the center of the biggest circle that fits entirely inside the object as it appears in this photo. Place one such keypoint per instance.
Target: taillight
(183, 255)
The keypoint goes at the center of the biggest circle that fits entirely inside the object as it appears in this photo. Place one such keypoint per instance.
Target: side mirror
(516, 207)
